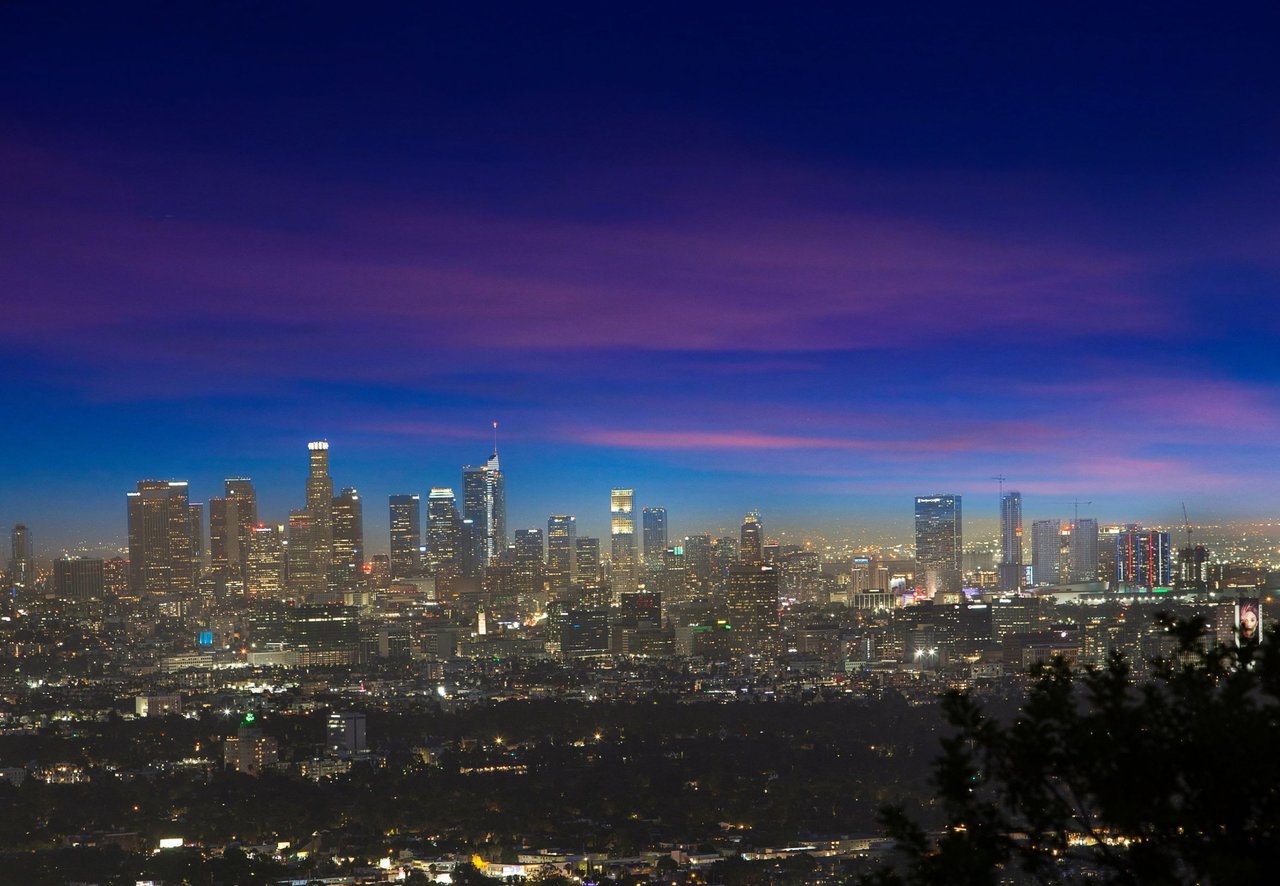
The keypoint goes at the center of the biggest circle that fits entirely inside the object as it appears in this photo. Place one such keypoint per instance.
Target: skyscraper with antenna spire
(484, 502)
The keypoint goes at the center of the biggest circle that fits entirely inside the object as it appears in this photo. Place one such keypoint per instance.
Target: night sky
(814, 259)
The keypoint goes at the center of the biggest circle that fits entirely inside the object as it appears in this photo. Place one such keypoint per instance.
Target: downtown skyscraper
(751, 539)
(306, 569)
(348, 538)
(264, 563)
(1083, 550)
(623, 558)
(320, 505)
(1010, 572)
(1046, 552)
(195, 527)
(654, 523)
(160, 556)
(444, 538)
(484, 503)
(241, 491)
(406, 535)
(562, 552)
(224, 536)
(21, 570)
(939, 543)
(752, 608)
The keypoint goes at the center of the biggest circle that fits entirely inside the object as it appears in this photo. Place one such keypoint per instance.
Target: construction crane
(1075, 520)
(1186, 521)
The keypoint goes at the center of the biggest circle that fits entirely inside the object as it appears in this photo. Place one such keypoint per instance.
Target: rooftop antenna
(495, 438)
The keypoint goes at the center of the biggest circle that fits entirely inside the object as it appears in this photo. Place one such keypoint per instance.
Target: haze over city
(813, 263)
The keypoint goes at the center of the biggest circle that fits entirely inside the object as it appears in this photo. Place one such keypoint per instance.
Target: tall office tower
(654, 524)
(320, 502)
(673, 578)
(264, 570)
(76, 580)
(939, 542)
(21, 557)
(622, 523)
(1046, 552)
(1084, 550)
(241, 491)
(224, 534)
(527, 564)
(528, 543)
(470, 549)
(589, 560)
(159, 538)
(195, 525)
(697, 557)
(751, 600)
(406, 535)
(1143, 559)
(348, 538)
(1010, 568)
(751, 547)
(484, 502)
(306, 562)
(443, 527)
(562, 552)
(724, 555)
(444, 533)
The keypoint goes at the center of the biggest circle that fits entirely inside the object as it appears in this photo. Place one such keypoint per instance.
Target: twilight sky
(808, 260)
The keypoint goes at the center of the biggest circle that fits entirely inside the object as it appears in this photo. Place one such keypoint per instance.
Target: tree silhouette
(1174, 779)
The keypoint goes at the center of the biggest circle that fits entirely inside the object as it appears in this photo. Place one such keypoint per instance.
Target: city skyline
(672, 276)
(377, 534)
(638, 444)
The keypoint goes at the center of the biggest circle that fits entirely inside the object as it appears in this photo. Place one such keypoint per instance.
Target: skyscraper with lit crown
(320, 504)
(622, 524)
(751, 544)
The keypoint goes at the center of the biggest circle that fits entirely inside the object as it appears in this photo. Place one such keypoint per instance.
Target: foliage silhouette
(1173, 779)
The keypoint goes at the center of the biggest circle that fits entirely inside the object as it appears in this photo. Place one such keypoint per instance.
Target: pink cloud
(1015, 437)
(724, 273)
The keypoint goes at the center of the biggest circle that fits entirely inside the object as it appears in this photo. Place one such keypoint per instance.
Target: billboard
(1248, 621)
